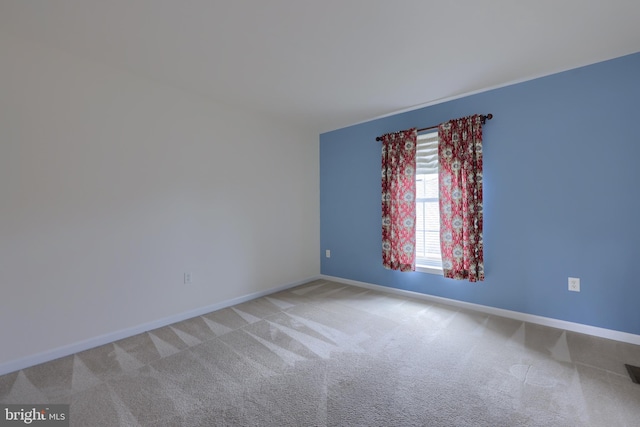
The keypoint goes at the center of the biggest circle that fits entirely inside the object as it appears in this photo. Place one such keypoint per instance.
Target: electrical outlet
(187, 278)
(574, 284)
(327, 253)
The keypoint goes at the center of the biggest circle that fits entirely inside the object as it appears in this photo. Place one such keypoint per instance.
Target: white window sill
(430, 270)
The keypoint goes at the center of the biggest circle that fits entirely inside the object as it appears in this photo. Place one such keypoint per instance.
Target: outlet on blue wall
(561, 197)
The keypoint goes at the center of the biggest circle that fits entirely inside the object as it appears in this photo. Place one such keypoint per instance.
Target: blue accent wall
(561, 197)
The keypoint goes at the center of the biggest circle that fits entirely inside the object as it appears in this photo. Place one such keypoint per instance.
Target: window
(428, 257)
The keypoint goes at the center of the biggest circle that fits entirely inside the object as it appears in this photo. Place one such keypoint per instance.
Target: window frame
(421, 267)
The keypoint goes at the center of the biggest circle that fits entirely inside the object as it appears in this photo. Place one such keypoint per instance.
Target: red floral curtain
(398, 200)
(460, 175)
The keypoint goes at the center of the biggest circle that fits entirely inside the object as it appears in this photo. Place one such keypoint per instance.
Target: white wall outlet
(574, 284)
(327, 253)
(187, 278)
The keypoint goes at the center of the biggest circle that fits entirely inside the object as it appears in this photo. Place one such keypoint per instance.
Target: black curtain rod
(483, 117)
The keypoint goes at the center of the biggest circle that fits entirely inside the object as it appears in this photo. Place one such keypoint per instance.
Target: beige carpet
(327, 354)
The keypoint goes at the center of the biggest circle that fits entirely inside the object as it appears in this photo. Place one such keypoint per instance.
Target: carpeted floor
(327, 354)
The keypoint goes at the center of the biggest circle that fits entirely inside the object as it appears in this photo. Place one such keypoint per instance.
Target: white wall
(113, 186)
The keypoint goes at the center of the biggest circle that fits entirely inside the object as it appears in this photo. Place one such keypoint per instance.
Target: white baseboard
(56, 353)
(524, 317)
(46, 356)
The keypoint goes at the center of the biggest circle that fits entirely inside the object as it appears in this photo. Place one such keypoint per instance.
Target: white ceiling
(325, 64)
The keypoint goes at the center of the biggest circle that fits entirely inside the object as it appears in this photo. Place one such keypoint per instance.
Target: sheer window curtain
(398, 200)
(460, 175)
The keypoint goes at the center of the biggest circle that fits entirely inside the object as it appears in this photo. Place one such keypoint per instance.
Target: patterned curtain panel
(398, 200)
(460, 174)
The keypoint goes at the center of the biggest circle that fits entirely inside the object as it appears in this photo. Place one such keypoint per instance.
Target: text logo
(34, 415)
